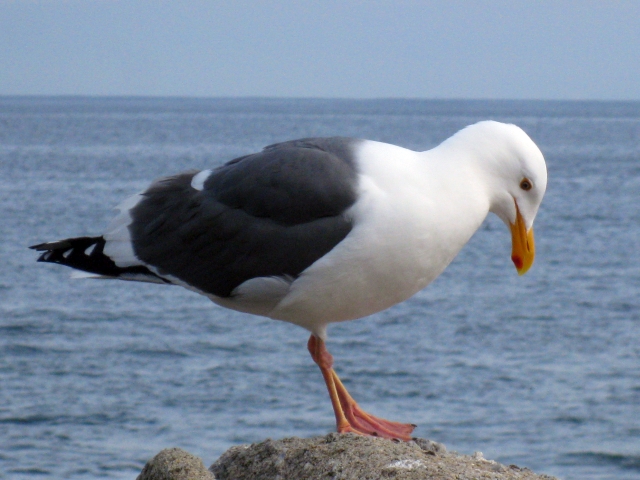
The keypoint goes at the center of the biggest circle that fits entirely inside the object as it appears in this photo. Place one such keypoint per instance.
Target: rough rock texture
(175, 464)
(338, 457)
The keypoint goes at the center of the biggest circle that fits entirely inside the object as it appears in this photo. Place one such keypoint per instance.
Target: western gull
(321, 230)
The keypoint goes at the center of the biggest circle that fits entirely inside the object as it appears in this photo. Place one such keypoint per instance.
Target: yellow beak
(523, 250)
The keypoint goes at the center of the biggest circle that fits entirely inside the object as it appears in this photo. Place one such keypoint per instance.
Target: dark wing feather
(273, 213)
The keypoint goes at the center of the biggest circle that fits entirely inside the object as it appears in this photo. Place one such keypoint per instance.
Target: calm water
(97, 376)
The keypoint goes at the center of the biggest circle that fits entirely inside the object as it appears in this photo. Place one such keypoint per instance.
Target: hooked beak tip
(517, 261)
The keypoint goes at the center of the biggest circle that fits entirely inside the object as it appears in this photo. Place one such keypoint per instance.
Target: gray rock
(175, 464)
(353, 457)
(334, 457)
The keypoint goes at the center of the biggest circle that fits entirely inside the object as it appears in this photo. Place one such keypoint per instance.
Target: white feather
(118, 245)
(258, 295)
(197, 182)
(81, 275)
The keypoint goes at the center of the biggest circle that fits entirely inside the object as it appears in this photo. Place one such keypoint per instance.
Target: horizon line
(309, 98)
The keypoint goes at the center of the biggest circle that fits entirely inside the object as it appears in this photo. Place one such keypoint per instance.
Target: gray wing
(272, 213)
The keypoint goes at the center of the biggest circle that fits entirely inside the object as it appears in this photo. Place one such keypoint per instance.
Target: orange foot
(349, 416)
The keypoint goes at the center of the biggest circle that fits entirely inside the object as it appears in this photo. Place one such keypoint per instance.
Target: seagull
(321, 230)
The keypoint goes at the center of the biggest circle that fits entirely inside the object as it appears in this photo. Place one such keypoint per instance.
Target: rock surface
(175, 464)
(336, 457)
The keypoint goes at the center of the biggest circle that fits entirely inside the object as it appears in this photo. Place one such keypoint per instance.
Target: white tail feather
(79, 274)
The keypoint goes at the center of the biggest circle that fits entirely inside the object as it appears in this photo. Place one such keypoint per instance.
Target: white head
(515, 175)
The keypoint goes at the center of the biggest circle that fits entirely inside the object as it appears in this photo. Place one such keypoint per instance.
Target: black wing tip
(56, 252)
(66, 243)
(49, 249)
(57, 245)
(72, 252)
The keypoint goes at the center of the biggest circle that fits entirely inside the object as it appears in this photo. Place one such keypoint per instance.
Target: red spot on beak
(517, 261)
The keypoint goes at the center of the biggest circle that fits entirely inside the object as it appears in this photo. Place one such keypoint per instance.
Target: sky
(491, 49)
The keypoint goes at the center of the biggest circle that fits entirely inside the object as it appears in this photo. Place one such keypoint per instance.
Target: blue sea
(96, 377)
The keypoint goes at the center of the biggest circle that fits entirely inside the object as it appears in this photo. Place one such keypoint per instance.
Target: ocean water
(97, 376)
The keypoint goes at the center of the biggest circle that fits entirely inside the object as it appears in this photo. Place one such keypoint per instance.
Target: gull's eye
(525, 184)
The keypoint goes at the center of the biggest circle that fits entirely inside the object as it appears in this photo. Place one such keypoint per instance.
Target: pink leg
(349, 416)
